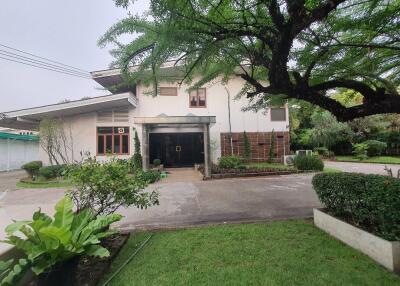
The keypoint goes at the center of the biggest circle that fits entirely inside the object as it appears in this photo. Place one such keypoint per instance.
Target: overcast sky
(65, 31)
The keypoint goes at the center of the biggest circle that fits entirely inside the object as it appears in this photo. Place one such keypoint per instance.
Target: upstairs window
(197, 97)
(168, 91)
(112, 140)
(278, 114)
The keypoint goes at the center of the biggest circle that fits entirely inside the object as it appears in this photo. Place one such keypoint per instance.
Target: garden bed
(233, 173)
(84, 270)
(382, 251)
(25, 183)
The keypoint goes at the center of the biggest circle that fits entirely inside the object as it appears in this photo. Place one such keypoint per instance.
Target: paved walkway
(367, 168)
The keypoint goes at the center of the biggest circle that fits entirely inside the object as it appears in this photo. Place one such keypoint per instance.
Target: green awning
(11, 136)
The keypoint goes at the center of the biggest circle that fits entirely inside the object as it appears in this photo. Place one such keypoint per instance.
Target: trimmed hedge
(369, 201)
(308, 163)
(32, 168)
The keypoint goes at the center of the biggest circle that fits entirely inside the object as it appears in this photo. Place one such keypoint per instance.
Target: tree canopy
(299, 49)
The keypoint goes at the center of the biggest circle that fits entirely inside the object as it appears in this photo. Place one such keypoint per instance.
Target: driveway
(9, 179)
(186, 200)
(367, 168)
(228, 200)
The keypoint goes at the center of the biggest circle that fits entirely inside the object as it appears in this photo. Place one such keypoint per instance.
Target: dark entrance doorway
(177, 149)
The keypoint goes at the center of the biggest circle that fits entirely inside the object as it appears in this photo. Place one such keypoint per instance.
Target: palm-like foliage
(302, 48)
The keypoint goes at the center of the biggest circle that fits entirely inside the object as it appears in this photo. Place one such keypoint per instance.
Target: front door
(177, 149)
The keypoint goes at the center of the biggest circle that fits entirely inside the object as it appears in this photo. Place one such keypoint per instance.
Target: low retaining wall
(255, 174)
(386, 253)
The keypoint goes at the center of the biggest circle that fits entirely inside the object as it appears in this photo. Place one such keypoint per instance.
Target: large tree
(302, 49)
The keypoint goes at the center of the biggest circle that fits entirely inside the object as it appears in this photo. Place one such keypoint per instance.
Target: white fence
(15, 153)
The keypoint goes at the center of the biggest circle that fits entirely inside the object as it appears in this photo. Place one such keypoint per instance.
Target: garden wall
(260, 143)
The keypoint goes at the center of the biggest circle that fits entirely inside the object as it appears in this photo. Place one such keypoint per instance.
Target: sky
(64, 31)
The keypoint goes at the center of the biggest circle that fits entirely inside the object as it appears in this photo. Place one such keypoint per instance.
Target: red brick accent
(260, 143)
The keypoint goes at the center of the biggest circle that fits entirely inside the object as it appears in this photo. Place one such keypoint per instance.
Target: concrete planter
(386, 253)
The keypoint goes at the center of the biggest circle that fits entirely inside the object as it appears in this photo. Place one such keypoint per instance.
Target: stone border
(386, 253)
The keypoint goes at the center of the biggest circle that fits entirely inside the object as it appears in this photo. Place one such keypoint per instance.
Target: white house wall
(84, 126)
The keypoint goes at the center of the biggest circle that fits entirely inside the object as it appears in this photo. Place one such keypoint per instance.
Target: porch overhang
(29, 118)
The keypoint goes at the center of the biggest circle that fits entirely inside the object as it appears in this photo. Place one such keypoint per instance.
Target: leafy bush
(50, 172)
(32, 168)
(322, 151)
(156, 162)
(369, 201)
(104, 187)
(308, 163)
(48, 242)
(360, 151)
(375, 147)
(149, 176)
(230, 162)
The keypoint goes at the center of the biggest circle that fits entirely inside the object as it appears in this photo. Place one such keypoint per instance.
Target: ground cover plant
(277, 253)
(371, 202)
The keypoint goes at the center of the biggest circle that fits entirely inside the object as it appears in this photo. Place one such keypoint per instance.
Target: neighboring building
(16, 150)
(179, 127)
(18, 131)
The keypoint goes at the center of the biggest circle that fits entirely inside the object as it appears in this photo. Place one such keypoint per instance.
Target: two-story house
(177, 126)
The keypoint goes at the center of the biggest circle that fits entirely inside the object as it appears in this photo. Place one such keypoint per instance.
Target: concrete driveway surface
(228, 200)
(366, 168)
(186, 200)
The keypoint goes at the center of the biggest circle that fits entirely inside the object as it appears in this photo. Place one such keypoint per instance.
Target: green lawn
(269, 165)
(332, 170)
(44, 185)
(279, 253)
(378, 159)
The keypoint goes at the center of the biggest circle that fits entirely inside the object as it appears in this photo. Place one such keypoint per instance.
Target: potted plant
(157, 165)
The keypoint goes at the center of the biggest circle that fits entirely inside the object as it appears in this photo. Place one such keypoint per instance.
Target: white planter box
(382, 251)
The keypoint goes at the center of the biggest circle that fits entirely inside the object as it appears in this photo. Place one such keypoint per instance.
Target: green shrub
(104, 187)
(150, 176)
(375, 147)
(247, 146)
(156, 162)
(230, 162)
(322, 151)
(360, 151)
(50, 172)
(370, 201)
(137, 156)
(32, 168)
(47, 242)
(308, 163)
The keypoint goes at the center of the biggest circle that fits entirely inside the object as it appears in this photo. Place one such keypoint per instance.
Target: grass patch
(332, 170)
(279, 253)
(44, 185)
(265, 165)
(377, 159)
